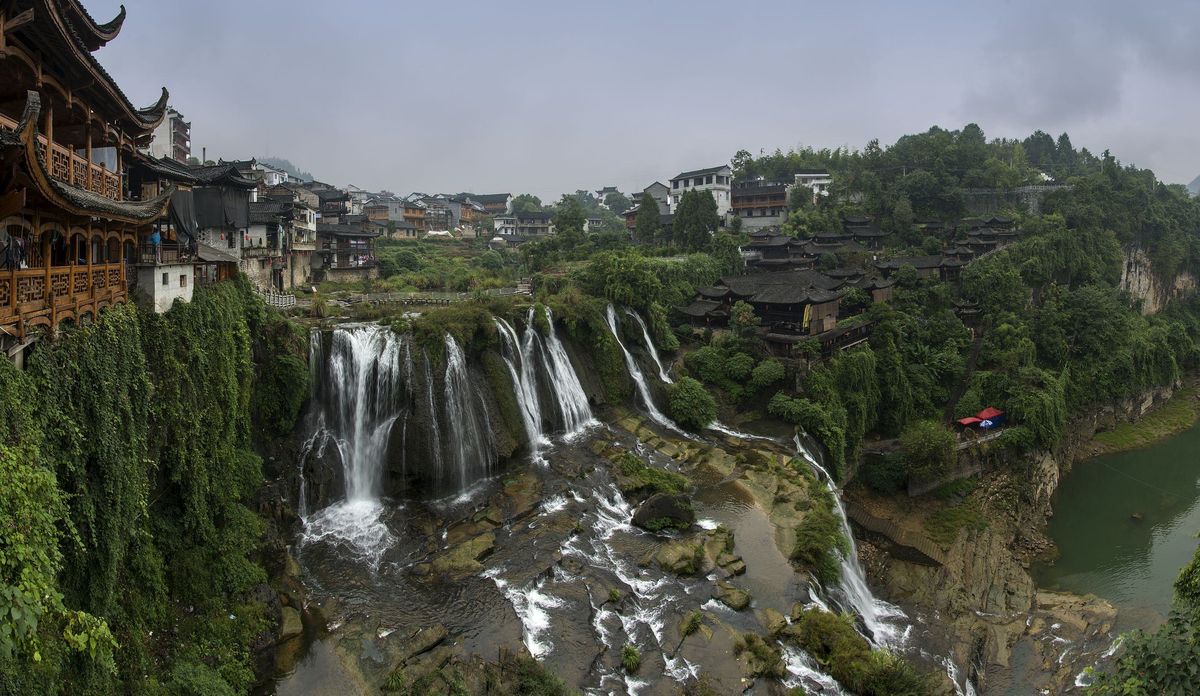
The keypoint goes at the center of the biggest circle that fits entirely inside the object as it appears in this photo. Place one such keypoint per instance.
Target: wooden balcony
(46, 296)
(68, 167)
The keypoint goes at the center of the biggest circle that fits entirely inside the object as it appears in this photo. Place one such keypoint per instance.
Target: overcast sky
(554, 96)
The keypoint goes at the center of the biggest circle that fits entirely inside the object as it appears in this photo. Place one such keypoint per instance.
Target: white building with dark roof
(716, 180)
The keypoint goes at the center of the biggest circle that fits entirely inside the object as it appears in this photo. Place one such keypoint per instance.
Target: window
(708, 179)
(675, 184)
(165, 281)
(183, 280)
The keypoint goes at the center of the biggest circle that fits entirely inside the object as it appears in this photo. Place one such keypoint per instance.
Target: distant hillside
(287, 166)
(1194, 187)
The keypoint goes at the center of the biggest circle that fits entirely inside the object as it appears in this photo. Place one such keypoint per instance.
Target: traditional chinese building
(70, 227)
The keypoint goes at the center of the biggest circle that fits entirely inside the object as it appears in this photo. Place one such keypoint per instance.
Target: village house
(760, 203)
(493, 203)
(302, 232)
(70, 228)
(661, 194)
(265, 247)
(516, 228)
(345, 253)
(715, 180)
(818, 180)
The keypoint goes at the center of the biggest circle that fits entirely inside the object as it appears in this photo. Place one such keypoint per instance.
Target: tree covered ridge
(131, 438)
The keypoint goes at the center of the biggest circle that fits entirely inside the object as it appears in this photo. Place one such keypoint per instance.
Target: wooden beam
(11, 203)
(17, 22)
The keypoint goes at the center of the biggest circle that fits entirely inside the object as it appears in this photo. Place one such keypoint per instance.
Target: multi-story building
(69, 227)
(493, 203)
(715, 180)
(520, 227)
(172, 138)
(760, 202)
(345, 252)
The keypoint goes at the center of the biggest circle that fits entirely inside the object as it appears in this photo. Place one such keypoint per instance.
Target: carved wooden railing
(31, 291)
(68, 167)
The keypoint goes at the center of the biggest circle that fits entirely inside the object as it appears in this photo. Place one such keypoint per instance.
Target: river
(1125, 524)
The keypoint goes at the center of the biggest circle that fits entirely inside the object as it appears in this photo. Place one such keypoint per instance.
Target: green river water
(1106, 550)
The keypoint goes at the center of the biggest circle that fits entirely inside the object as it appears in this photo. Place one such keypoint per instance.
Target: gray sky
(546, 97)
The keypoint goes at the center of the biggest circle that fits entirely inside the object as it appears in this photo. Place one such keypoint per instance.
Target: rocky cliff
(1139, 280)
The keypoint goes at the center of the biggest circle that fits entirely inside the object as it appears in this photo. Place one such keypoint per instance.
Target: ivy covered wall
(133, 564)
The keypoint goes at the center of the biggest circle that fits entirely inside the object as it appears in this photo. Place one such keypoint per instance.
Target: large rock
(464, 558)
(679, 556)
(731, 596)
(665, 511)
(289, 624)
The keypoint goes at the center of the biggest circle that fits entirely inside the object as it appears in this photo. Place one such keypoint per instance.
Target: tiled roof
(699, 172)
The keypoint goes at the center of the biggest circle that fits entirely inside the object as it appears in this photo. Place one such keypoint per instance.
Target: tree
(526, 203)
(646, 225)
(696, 220)
(743, 320)
(929, 449)
(800, 197)
(691, 406)
(569, 221)
(617, 202)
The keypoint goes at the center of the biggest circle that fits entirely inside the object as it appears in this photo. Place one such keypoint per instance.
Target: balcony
(45, 296)
(260, 252)
(167, 254)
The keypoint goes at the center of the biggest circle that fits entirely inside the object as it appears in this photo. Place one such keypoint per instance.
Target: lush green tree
(742, 320)
(800, 197)
(569, 220)
(696, 220)
(646, 224)
(691, 406)
(726, 249)
(526, 203)
(617, 202)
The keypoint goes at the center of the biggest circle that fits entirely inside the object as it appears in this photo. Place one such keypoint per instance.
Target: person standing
(156, 240)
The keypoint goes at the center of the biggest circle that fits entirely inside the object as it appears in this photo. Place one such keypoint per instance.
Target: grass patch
(943, 525)
(636, 476)
(1175, 416)
(692, 623)
(956, 489)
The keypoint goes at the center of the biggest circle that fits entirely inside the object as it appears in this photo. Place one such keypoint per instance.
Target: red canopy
(989, 413)
(969, 420)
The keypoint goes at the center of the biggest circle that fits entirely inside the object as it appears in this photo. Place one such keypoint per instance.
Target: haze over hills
(1194, 187)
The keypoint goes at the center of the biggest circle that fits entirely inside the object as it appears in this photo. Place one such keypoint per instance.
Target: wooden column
(91, 278)
(88, 147)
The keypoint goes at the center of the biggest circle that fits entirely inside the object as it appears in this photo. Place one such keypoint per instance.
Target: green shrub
(690, 405)
(835, 644)
(767, 373)
(691, 623)
(886, 474)
(820, 540)
(640, 478)
(631, 659)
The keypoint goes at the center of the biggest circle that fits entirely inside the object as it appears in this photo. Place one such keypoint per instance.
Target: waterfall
(875, 612)
(524, 379)
(635, 372)
(357, 388)
(564, 383)
(469, 441)
(435, 430)
(662, 374)
(361, 402)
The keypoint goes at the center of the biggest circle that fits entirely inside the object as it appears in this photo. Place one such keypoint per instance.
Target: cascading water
(564, 383)
(358, 390)
(662, 373)
(469, 444)
(878, 616)
(524, 377)
(635, 372)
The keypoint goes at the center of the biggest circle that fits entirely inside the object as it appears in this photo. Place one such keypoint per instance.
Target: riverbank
(1169, 419)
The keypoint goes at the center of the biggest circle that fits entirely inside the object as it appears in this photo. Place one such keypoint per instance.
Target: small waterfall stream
(521, 369)
(469, 443)
(879, 617)
(662, 374)
(564, 383)
(635, 373)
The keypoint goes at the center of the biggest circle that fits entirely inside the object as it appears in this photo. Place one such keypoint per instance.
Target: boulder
(681, 557)
(733, 597)
(665, 511)
(289, 624)
(464, 558)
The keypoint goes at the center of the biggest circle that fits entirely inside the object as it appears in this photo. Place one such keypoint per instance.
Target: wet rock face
(665, 511)
(324, 476)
